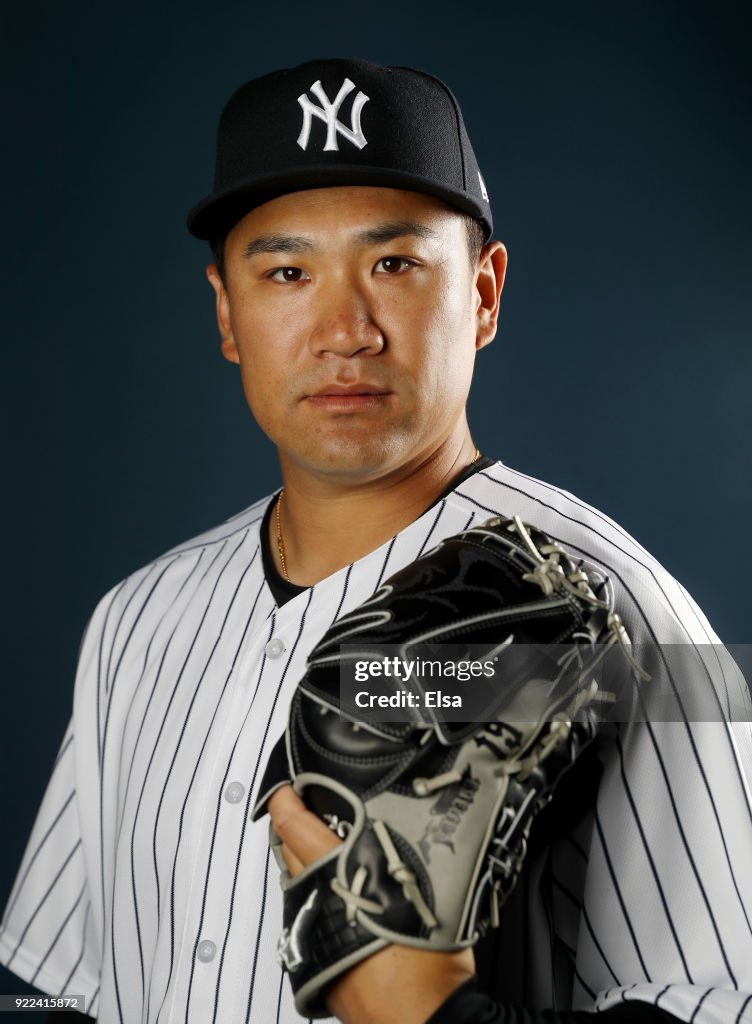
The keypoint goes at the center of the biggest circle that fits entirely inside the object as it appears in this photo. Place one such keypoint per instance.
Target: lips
(349, 398)
(347, 390)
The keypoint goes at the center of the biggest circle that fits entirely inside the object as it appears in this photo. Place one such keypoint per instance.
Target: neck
(328, 524)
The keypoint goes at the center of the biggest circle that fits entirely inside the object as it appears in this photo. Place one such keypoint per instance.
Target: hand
(304, 835)
(397, 985)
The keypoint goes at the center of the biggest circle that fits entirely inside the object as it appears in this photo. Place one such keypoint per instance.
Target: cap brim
(215, 215)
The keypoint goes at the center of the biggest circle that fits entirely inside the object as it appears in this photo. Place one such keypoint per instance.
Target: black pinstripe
(279, 1000)
(742, 1011)
(567, 892)
(573, 842)
(596, 943)
(254, 964)
(344, 592)
(661, 993)
(427, 539)
(619, 896)
(65, 987)
(704, 996)
(584, 985)
(66, 744)
(386, 561)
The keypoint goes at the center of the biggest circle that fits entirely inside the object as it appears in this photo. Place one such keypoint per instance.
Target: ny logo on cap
(327, 113)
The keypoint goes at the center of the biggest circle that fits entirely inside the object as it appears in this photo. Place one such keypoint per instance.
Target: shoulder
(242, 522)
(226, 533)
(654, 605)
(178, 582)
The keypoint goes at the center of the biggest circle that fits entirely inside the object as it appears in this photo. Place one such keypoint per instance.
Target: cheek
(259, 373)
(256, 391)
(264, 342)
(447, 342)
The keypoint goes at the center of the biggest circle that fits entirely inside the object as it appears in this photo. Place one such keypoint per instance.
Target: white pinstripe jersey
(146, 887)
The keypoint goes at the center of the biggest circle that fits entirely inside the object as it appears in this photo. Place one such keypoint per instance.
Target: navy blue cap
(340, 122)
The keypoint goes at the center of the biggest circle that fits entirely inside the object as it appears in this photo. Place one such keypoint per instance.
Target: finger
(303, 833)
(292, 863)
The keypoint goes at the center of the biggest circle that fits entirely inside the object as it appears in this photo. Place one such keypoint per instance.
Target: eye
(393, 265)
(289, 274)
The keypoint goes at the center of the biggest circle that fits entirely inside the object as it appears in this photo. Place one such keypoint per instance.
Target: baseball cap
(339, 122)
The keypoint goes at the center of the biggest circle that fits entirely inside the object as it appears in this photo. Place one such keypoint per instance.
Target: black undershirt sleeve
(467, 1005)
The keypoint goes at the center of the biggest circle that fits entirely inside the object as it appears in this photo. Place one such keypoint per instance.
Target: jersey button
(275, 648)
(206, 951)
(234, 792)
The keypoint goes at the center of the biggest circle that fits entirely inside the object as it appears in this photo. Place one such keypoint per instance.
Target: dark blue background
(614, 139)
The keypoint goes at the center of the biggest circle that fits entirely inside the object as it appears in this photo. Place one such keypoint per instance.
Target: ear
(489, 282)
(224, 321)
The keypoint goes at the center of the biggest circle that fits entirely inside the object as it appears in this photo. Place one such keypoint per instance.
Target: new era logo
(328, 111)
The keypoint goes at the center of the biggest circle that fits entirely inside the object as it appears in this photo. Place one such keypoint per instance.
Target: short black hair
(476, 236)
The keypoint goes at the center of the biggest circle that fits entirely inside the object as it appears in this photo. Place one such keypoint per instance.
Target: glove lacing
(398, 870)
(550, 575)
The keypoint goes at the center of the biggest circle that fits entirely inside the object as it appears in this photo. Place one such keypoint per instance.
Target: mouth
(349, 397)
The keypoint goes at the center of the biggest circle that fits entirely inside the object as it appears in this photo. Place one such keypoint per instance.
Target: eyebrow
(385, 232)
(392, 229)
(277, 243)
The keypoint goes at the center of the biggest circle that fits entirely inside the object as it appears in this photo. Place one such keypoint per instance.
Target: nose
(344, 325)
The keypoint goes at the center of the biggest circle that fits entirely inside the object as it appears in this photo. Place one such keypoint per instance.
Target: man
(354, 282)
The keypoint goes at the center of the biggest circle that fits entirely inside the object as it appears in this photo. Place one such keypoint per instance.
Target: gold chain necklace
(280, 541)
(280, 538)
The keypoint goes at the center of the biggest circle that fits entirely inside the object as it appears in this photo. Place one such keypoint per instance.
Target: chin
(353, 459)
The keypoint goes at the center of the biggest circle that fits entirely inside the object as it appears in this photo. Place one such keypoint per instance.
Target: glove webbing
(398, 870)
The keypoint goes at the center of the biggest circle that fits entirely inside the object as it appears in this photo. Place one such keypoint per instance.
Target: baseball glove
(434, 813)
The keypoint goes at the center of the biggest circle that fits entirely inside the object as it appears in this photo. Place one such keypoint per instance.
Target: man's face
(354, 314)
